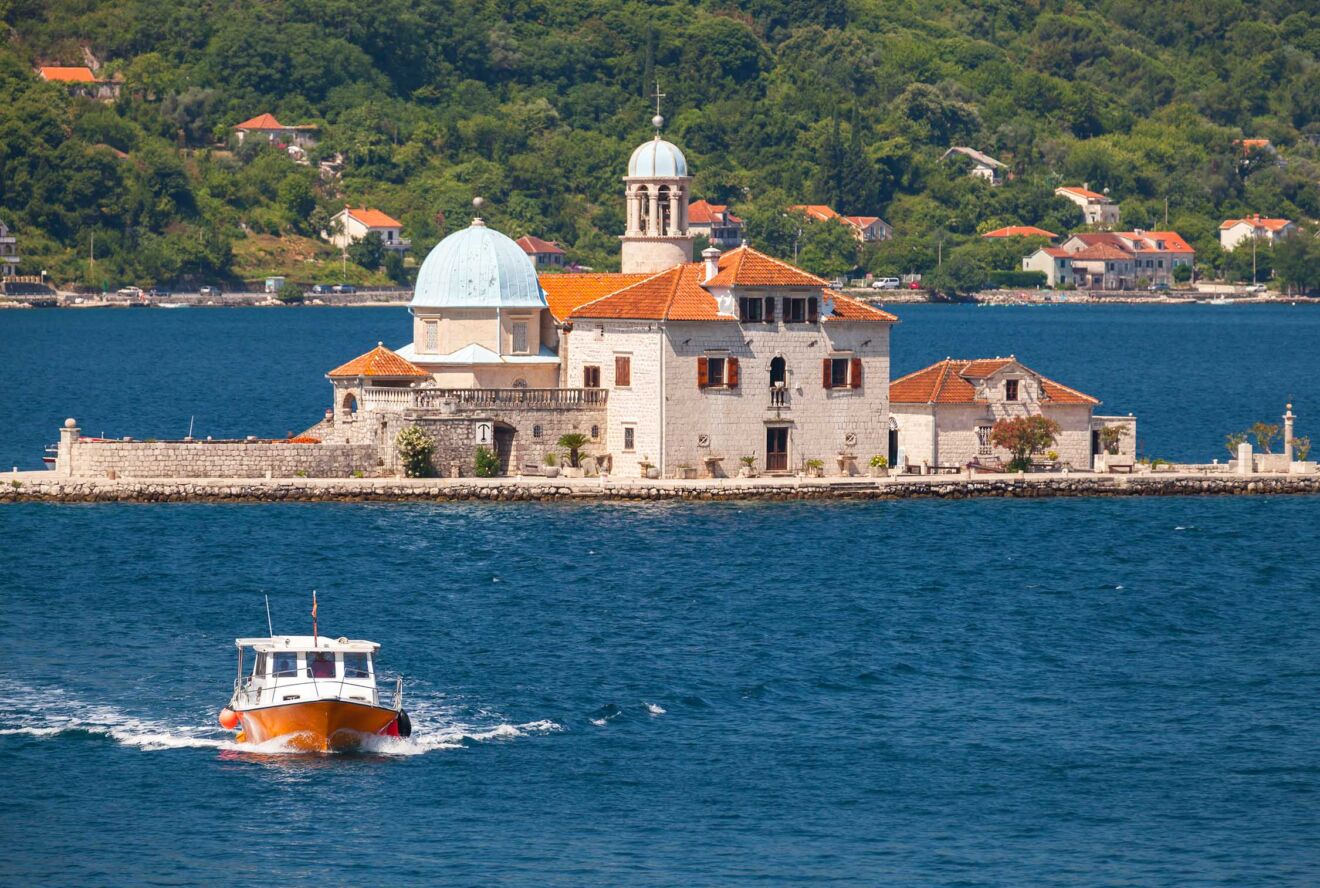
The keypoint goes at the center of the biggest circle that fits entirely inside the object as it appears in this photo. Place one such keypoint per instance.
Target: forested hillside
(536, 105)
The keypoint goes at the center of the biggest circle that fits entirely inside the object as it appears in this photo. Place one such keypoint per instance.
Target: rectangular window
(838, 372)
(795, 310)
(1010, 390)
(629, 438)
(591, 377)
(714, 372)
(623, 370)
(520, 337)
(751, 309)
(983, 446)
(432, 336)
(357, 665)
(841, 373)
(286, 665)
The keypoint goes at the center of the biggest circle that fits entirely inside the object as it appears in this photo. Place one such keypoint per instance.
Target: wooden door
(776, 449)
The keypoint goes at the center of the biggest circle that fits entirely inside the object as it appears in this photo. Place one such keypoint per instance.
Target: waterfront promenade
(47, 487)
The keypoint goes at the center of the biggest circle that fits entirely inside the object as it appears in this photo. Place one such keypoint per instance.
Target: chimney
(1086, 186)
(711, 256)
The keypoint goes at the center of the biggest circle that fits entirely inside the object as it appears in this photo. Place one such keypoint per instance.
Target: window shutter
(731, 372)
(703, 370)
(812, 310)
(769, 309)
(855, 373)
(622, 370)
(825, 373)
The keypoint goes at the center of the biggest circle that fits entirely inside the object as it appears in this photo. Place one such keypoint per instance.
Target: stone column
(653, 224)
(1244, 459)
(634, 211)
(69, 437)
(1288, 435)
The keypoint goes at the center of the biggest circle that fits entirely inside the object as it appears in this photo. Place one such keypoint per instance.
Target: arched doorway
(893, 442)
(504, 436)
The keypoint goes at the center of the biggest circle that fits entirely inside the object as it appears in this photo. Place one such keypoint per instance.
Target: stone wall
(217, 459)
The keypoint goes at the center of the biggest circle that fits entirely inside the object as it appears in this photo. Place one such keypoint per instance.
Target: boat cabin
(285, 669)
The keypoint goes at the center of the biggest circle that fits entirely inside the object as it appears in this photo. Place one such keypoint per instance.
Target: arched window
(520, 383)
(350, 405)
(666, 210)
(536, 431)
(778, 372)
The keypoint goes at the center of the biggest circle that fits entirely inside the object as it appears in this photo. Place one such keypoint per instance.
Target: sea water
(991, 692)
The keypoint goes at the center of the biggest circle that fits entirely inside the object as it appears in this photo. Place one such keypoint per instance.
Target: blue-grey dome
(477, 268)
(657, 158)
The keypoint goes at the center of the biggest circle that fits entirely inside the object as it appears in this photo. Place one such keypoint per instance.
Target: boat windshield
(321, 665)
(357, 665)
(285, 664)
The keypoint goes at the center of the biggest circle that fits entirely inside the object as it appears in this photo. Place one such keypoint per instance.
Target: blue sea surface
(988, 692)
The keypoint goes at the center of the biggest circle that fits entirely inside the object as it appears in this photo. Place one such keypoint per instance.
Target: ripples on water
(980, 692)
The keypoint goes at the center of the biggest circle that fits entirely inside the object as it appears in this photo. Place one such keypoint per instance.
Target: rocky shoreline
(35, 487)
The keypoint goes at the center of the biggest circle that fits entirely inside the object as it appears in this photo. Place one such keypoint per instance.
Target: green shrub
(879, 461)
(415, 449)
(487, 463)
(1007, 279)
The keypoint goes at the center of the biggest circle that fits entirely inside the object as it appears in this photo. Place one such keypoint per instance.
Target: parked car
(343, 288)
(1159, 287)
(1257, 288)
(209, 291)
(158, 292)
(320, 289)
(131, 292)
(885, 284)
(915, 285)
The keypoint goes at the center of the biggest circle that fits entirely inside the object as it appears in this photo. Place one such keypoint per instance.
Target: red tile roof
(373, 218)
(380, 361)
(261, 122)
(1173, 241)
(531, 245)
(847, 308)
(1083, 192)
(703, 212)
(819, 212)
(950, 382)
(746, 267)
(862, 221)
(565, 292)
(1258, 222)
(1020, 231)
(1103, 251)
(1057, 252)
(57, 74)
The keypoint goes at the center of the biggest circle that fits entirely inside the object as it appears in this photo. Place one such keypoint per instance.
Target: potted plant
(573, 442)
(748, 469)
(1301, 450)
(815, 468)
(879, 466)
(551, 464)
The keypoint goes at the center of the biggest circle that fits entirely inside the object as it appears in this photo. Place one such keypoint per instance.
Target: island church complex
(670, 368)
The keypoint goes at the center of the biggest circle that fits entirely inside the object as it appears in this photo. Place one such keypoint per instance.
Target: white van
(885, 284)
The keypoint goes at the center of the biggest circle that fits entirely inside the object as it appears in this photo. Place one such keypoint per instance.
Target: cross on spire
(658, 121)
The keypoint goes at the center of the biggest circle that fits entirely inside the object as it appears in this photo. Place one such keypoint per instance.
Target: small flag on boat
(313, 616)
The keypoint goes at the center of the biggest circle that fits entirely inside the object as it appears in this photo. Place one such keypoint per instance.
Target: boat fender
(228, 718)
(404, 723)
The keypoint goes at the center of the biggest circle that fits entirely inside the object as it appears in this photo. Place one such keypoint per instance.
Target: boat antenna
(269, 624)
(313, 617)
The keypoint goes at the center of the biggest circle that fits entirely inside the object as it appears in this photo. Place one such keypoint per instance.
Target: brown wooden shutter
(703, 373)
(731, 373)
(855, 373)
(813, 312)
(622, 370)
(769, 309)
(826, 377)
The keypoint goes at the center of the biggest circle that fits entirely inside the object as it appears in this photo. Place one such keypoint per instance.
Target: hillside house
(1021, 231)
(266, 126)
(81, 81)
(983, 165)
(714, 221)
(1097, 208)
(352, 224)
(866, 229)
(1149, 256)
(1233, 232)
(8, 252)
(1055, 263)
(544, 253)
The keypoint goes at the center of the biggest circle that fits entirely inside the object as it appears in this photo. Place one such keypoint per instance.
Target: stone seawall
(216, 459)
(44, 487)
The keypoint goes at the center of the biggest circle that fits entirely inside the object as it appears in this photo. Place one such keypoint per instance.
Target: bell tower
(657, 189)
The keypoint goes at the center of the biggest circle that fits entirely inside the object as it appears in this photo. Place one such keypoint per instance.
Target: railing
(247, 692)
(514, 397)
(778, 398)
(380, 397)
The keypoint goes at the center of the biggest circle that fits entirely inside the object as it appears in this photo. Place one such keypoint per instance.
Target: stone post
(653, 224)
(1244, 458)
(1288, 436)
(69, 437)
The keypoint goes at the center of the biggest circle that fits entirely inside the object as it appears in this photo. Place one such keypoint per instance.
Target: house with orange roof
(544, 253)
(714, 222)
(1233, 232)
(867, 229)
(944, 415)
(352, 224)
(266, 126)
(739, 355)
(80, 81)
(1055, 263)
(1098, 208)
(1122, 260)
(1021, 231)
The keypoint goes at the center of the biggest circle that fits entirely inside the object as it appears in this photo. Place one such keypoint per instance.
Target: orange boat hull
(317, 725)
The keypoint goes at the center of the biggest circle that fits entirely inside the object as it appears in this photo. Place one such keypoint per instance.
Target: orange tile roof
(565, 292)
(1258, 222)
(59, 74)
(1102, 251)
(380, 361)
(746, 267)
(373, 218)
(1057, 252)
(947, 382)
(847, 308)
(704, 212)
(1020, 231)
(819, 212)
(262, 122)
(531, 244)
(1083, 192)
(862, 221)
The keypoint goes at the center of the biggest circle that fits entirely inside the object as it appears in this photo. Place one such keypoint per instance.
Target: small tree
(291, 294)
(1265, 433)
(1110, 436)
(573, 442)
(1182, 273)
(1234, 441)
(487, 463)
(369, 252)
(1023, 436)
(415, 449)
(1301, 448)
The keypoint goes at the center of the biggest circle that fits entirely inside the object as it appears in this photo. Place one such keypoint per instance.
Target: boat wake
(52, 713)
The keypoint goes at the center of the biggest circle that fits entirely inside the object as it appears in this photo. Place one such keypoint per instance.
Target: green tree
(369, 252)
(1022, 436)
(829, 249)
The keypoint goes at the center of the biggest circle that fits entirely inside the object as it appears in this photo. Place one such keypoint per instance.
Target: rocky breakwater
(39, 487)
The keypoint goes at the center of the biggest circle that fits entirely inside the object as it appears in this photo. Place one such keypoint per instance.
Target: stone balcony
(380, 398)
